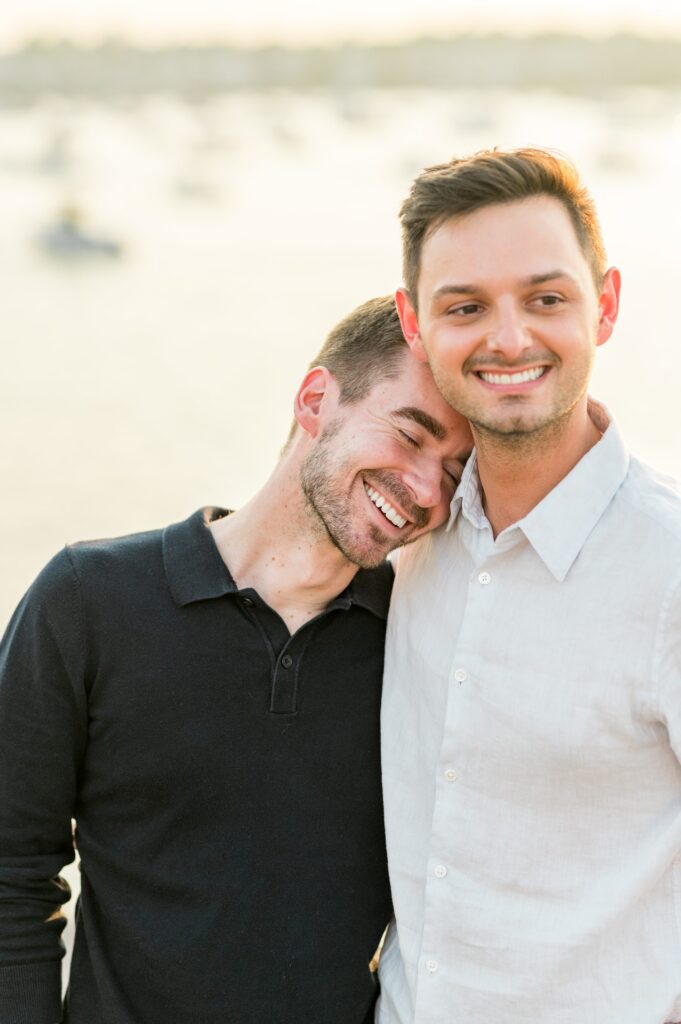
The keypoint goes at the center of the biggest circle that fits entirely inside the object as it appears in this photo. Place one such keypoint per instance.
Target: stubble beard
(519, 433)
(328, 508)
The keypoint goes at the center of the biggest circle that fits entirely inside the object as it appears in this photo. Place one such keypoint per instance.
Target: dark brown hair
(462, 186)
(364, 349)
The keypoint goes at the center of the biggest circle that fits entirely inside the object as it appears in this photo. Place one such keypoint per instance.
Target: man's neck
(517, 473)
(273, 545)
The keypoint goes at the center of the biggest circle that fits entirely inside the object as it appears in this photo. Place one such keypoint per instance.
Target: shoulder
(641, 533)
(55, 587)
(134, 551)
(86, 568)
(653, 499)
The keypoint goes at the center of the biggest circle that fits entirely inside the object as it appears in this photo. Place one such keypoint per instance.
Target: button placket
(452, 801)
(284, 686)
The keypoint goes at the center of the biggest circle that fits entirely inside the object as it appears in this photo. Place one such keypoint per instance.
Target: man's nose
(424, 480)
(509, 335)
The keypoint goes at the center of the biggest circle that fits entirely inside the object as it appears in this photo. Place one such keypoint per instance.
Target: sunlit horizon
(206, 21)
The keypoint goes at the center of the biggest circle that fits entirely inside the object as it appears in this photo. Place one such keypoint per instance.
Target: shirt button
(431, 965)
(287, 661)
(451, 775)
(248, 601)
(440, 871)
(461, 675)
(484, 578)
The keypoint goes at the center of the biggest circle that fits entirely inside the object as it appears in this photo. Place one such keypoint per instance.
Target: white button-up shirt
(531, 739)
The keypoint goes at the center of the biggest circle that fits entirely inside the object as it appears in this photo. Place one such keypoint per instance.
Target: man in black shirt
(203, 700)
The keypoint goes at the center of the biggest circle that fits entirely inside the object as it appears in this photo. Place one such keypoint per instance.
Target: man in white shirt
(531, 723)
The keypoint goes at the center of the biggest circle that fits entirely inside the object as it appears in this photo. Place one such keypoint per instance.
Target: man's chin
(370, 559)
(366, 556)
(370, 551)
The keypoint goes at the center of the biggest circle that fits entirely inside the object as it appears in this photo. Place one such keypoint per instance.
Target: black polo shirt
(225, 781)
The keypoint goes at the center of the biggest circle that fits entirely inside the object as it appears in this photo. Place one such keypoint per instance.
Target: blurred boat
(66, 238)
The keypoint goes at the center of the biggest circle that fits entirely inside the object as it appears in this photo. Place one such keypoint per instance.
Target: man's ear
(316, 394)
(608, 305)
(410, 324)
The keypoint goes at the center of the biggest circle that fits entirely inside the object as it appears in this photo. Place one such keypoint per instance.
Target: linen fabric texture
(531, 735)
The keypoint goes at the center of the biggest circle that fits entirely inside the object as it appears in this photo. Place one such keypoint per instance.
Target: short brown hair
(462, 186)
(364, 349)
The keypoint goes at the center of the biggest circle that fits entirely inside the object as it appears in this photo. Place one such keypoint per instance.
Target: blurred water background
(180, 228)
(141, 382)
(250, 217)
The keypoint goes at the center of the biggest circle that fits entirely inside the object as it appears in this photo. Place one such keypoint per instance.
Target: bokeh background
(191, 195)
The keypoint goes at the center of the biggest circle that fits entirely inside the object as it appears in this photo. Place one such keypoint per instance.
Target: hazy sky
(158, 21)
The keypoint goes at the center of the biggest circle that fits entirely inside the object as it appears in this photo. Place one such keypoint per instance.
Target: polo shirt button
(461, 675)
(248, 601)
(484, 578)
(440, 871)
(432, 966)
(451, 775)
(287, 661)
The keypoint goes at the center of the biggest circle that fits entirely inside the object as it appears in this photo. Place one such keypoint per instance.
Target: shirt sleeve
(667, 668)
(43, 725)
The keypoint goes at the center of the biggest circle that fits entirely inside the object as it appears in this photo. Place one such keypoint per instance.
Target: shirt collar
(558, 527)
(196, 572)
(468, 497)
(370, 589)
(194, 567)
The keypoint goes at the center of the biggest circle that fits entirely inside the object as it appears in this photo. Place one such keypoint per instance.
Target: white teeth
(387, 509)
(522, 377)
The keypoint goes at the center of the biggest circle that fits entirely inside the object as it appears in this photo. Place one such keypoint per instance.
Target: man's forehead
(527, 239)
(543, 212)
(525, 206)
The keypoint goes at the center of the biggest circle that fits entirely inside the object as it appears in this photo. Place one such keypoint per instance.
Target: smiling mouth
(519, 377)
(385, 507)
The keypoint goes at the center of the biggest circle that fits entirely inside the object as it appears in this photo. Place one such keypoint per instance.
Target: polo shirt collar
(370, 589)
(196, 572)
(194, 567)
(558, 527)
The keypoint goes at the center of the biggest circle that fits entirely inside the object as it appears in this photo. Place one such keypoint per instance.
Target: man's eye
(469, 309)
(409, 439)
(549, 300)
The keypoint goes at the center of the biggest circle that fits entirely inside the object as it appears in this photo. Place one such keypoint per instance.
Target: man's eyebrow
(454, 289)
(471, 289)
(551, 275)
(433, 426)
